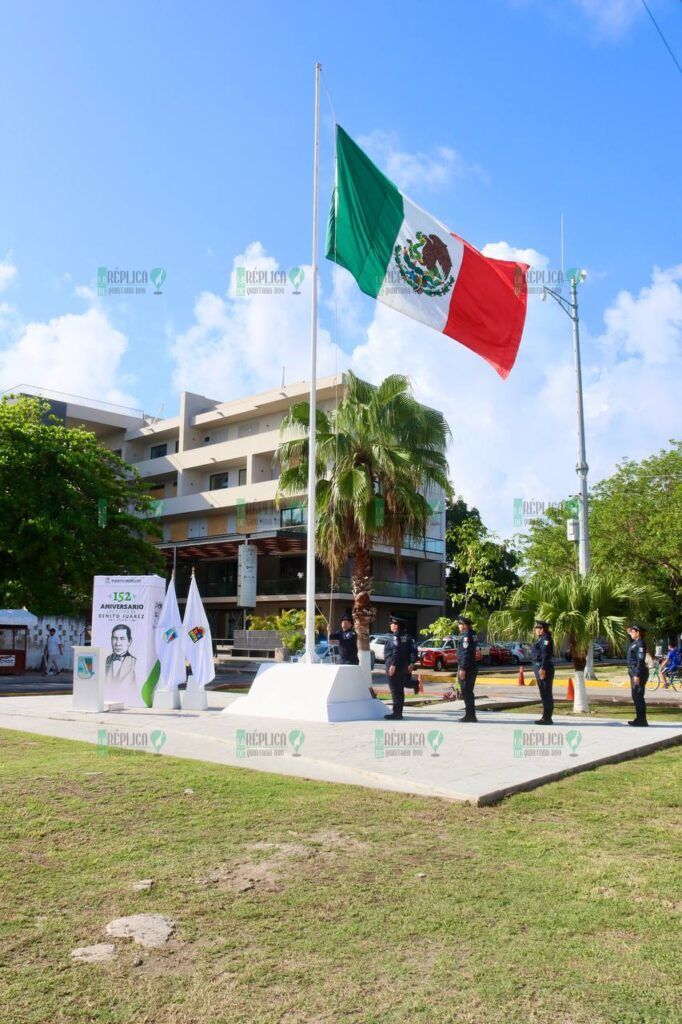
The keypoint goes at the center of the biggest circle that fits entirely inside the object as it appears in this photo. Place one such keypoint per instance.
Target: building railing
(296, 587)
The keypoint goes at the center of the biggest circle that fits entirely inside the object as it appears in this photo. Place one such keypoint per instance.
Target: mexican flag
(407, 259)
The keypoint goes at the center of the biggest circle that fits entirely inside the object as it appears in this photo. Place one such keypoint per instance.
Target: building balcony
(295, 587)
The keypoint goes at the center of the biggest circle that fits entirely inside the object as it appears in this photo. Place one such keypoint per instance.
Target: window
(295, 516)
(177, 447)
(219, 480)
(157, 451)
(118, 451)
(242, 476)
(207, 439)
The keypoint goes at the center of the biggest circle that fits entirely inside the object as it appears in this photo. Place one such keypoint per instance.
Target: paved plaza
(427, 754)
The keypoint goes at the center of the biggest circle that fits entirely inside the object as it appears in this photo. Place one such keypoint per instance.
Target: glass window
(294, 516)
(242, 476)
(219, 480)
(158, 451)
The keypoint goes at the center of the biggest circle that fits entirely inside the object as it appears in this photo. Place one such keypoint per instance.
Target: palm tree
(578, 609)
(379, 452)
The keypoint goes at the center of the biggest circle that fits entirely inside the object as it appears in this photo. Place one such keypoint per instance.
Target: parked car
(328, 654)
(376, 645)
(500, 654)
(598, 652)
(521, 653)
(440, 654)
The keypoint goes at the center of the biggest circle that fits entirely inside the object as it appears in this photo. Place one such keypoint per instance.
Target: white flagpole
(312, 476)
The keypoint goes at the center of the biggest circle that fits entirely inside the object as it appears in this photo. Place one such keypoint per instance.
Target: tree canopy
(635, 531)
(379, 454)
(69, 509)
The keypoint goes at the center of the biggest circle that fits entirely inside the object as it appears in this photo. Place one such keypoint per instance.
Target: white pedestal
(194, 699)
(166, 700)
(88, 678)
(310, 693)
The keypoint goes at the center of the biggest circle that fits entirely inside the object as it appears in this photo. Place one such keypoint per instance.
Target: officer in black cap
(638, 672)
(543, 666)
(467, 669)
(400, 654)
(347, 639)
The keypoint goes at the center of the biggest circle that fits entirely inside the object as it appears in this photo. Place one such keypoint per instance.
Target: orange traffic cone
(570, 692)
(521, 679)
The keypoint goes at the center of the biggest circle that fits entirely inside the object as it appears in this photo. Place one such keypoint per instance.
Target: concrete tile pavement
(429, 753)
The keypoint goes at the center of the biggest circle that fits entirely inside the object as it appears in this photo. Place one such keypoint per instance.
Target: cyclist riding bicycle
(670, 665)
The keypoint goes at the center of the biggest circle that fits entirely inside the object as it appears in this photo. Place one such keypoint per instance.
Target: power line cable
(665, 41)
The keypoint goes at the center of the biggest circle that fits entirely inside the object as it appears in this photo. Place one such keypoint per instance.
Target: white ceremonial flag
(169, 643)
(197, 643)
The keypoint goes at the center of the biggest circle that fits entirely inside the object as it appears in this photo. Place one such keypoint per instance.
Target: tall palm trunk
(363, 612)
(580, 702)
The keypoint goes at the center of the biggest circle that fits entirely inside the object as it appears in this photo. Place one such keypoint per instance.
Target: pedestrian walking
(467, 669)
(638, 672)
(543, 667)
(400, 655)
(53, 650)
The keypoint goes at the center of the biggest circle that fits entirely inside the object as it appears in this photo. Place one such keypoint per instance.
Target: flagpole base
(194, 699)
(310, 693)
(166, 700)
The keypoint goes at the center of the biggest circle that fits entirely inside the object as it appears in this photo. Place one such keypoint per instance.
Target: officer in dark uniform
(400, 654)
(347, 639)
(543, 666)
(638, 672)
(467, 669)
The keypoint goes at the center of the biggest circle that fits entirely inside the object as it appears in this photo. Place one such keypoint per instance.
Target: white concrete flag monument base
(166, 700)
(310, 693)
(194, 699)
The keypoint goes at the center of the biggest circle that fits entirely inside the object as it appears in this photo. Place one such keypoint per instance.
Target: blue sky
(177, 135)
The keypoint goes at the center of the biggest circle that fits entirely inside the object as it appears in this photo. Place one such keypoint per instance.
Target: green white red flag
(405, 258)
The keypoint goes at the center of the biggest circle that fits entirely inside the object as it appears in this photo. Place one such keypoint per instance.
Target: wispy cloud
(431, 169)
(8, 271)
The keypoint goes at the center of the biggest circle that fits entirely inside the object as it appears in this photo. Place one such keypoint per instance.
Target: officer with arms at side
(467, 669)
(543, 666)
(638, 672)
(400, 654)
(347, 639)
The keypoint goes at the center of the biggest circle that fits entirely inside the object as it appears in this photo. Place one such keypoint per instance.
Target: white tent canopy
(17, 617)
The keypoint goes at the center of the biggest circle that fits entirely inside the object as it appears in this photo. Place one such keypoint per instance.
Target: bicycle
(672, 681)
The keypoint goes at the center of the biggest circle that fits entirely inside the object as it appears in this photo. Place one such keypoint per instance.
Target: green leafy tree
(379, 452)
(635, 530)
(480, 569)
(290, 624)
(57, 484)
(440, 628)
(578, 608)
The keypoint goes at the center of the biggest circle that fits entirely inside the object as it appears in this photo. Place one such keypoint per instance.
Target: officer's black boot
(639, 722)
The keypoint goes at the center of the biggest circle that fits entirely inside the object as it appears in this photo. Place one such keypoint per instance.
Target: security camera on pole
(575, 276)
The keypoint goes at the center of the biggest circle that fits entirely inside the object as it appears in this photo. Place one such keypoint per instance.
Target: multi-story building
(213, 471)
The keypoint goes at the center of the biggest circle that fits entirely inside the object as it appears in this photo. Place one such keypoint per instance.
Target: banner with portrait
(125, 612)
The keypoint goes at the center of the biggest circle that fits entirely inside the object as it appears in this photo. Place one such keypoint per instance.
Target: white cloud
(8, 271)
(78, 354)
(611, 18)
(434, 169)
(238, 345)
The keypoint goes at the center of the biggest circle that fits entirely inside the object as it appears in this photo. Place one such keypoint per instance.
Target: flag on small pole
(169, 651)
(405, 258)
(197, 645)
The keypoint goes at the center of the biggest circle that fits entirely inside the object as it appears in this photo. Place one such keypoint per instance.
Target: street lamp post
(571, 310)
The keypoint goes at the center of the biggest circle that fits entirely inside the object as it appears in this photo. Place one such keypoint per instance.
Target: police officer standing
(638, 672)
(347, 639)
(543, 666)
(400, 654)
(467, 669)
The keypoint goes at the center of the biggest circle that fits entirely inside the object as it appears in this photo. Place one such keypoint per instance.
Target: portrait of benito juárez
(120, 666)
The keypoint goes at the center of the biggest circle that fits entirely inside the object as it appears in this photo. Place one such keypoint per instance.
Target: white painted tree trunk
(365, 659)
(580, 703)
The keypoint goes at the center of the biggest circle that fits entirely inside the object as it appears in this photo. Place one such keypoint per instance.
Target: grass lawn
(560, 906)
